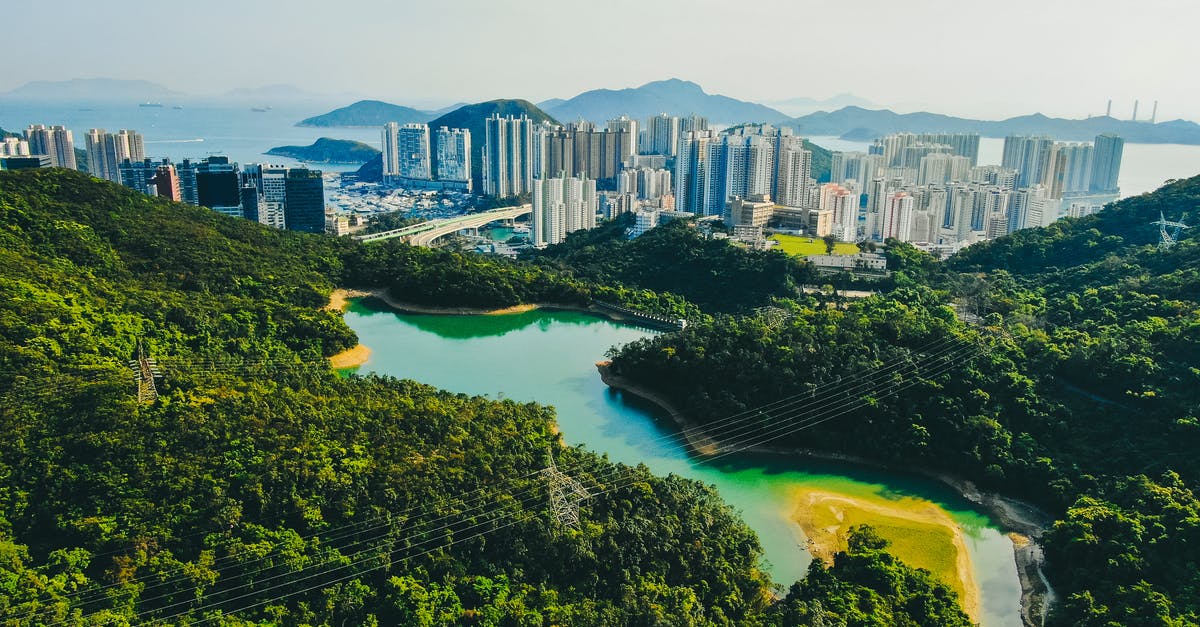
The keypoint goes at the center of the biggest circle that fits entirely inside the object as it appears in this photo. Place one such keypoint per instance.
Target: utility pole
(565, 495)
(145, 370)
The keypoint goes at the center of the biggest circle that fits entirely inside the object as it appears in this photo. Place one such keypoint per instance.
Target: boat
(260, 109)
(151, 104)
(177, 107)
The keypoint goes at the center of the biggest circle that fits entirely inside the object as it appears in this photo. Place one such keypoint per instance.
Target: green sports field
(805, 246)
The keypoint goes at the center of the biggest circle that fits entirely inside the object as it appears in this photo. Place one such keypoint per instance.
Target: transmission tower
(773, 316)
(1168, 231)
(565, 495)
(145, 371)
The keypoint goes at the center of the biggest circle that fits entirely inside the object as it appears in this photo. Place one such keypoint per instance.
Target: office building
(755, 211)
(26, 162)
(507, 158)
(55, 142)
(304, 200)
(561, 205)
(107, 151)
(218, 186)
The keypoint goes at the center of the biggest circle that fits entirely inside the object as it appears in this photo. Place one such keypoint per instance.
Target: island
(328, 150)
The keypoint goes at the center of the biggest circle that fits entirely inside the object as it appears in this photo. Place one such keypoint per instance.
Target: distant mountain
(276, 93)
(670, 96)
(4, 133)
(327, 150)
(368, 113)
(805, 105)
(860, 124)
(469, 117)
(94, 89)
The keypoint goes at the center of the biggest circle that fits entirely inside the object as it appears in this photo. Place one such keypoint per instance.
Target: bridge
(424, 233)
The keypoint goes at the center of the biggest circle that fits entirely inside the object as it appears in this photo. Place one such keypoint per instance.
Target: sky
(993, 59)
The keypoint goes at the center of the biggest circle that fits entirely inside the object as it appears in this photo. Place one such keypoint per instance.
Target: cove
(549, 357)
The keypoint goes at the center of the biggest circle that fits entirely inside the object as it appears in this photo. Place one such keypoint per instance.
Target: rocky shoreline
(1023, 522)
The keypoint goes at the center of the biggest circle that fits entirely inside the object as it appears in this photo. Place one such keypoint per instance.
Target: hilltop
(327, 150)
(367, 113)
(859, 124)
(99, 89)
(674, 96)
(470, 117)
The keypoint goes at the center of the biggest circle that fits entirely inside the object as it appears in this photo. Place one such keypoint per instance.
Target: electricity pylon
(1168, 238)
(145, 371)
(565, 495)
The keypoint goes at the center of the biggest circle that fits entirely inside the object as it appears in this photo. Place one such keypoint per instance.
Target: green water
(549, 357)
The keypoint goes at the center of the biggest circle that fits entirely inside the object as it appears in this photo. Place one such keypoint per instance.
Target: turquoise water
(549, 357)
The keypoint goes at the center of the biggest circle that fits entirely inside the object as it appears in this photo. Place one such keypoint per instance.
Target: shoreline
(919, 515)
(1021, 521)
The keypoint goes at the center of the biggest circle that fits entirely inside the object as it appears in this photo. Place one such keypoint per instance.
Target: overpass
(425, 233)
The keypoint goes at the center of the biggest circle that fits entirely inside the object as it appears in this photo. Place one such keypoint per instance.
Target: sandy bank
(922, 535)
(1011, 515)
(351, 358)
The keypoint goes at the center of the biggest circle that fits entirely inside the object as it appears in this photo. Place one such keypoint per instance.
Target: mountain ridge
(858, 123)
(367, 113)
(328, 150)
(675, 96)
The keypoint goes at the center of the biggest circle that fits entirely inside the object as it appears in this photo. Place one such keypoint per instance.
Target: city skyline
(947, 43)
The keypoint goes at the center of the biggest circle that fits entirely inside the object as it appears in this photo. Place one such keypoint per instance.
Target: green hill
(367, 113)
(260, 487)
(470, 117)
(327, 150)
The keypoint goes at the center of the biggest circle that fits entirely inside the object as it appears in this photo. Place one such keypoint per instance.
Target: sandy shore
(826, 518)
(351, 358)
(1011, 515)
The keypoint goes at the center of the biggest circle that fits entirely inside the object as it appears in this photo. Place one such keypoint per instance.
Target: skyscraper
(662, 133)
(454, 155)
(304, 202)
(218, 186)
(106, 151)
(561, 205)
(55, 142)
(897, 216)
(793, 169)
(507, 158)
(1106, 164)
(412, 147)
(630, 128)
(391, 149)
(1028, 156)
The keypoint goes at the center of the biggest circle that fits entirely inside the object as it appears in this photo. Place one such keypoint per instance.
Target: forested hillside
(1076, 386)
(260, 487)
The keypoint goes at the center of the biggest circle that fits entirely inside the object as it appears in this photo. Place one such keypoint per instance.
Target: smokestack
(1154, 112)
(1135, 104)
(1108, 113)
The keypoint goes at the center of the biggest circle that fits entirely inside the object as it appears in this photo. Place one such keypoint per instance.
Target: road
(425, 233)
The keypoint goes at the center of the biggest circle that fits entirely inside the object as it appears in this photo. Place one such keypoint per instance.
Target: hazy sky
(1003, 57)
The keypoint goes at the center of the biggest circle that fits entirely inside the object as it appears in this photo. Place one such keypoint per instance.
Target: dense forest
(258, 486)
(1060, 365)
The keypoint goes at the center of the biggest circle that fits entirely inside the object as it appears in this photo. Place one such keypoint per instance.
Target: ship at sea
(260, 109)
(151, 104)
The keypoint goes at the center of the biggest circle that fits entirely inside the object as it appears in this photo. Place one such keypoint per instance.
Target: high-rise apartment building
(628, 126)
(580, 149)
(561, 205)
(412, 146)
(1068, 169)
(107, 151)
(391, 149)
(507, 158)
(662, 135)
(699, 174)
(453, 147)
(14, 147)
(897, 216)
(1028, 156)
(1106, 164)
(55, 142)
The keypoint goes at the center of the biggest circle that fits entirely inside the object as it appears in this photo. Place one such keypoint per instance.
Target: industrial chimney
(1108, 112)
(1135, 104)
(1154, 112)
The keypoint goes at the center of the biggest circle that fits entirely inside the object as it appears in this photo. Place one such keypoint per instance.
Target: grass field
(922, 535)
(805, 246)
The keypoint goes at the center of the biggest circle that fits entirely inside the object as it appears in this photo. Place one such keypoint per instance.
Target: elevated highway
(425, 233)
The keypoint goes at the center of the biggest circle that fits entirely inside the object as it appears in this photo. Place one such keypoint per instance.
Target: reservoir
(549, 357)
